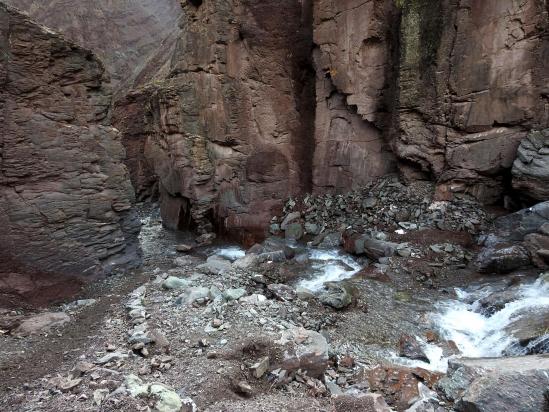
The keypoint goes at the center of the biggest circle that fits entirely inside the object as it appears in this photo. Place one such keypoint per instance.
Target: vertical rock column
(355, 60)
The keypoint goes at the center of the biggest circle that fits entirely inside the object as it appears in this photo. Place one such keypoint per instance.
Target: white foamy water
(329, 266)
(231, 252)
(475, 334)
(478, 335)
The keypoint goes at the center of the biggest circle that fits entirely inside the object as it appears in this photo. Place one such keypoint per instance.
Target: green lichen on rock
(421, 33)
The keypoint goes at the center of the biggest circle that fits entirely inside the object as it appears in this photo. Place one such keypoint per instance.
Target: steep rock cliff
(474, 78)
(355, 61)
(125, 34)
(65, 195)
(229, 132)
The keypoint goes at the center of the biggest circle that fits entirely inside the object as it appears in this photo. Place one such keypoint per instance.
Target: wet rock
(304, 293)
(428, 401)
(409, 347)
(206, 239)
(503, 259)
(41, 323)
(173, 282)
(338, 295)
(496, 301)
(304, 349)
(184, 248)
(516, 226)
(529, 324)
(250, 261)
(497, 384)
(331, 240)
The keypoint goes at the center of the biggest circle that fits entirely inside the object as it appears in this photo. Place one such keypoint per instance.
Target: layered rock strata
(65, 194)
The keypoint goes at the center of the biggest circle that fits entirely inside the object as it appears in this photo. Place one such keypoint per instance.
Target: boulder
(193, 294)
(514, 384)
(531, 167)
(399, 384)
(294, 231)
(173, 282)
(410, 348)
(290, 218)
(304, 349)
(503, 259)
(529, 324)
(366, 245)
(338, 295)
(42, 322)
(216, 265)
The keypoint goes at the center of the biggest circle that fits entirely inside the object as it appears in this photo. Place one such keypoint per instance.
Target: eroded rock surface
(65, 195)
(228, 134)
(465, 103)
(531, 167)
(354, 55)
(125, 34)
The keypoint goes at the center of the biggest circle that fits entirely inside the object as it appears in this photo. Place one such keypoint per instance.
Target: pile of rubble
(383, 205)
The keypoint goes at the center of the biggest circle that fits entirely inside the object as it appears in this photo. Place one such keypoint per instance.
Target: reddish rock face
(65, 195)
(125, 34)
(474, 78)
(355, 44)
(229, 133)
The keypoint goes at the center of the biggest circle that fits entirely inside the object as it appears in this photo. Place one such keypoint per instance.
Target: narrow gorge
(245, 205)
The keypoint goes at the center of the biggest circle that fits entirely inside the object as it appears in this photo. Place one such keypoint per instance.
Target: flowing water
(479, 333)
(463, 320)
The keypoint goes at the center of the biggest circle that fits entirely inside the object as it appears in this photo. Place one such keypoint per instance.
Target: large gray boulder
(498, 384)
(531, 167)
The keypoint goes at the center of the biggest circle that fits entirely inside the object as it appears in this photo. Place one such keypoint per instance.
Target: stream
(479, 320)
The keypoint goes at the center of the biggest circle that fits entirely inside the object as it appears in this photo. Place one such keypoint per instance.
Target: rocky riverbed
(371, 301)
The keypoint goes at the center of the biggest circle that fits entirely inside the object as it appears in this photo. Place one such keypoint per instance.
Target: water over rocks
(285, 321)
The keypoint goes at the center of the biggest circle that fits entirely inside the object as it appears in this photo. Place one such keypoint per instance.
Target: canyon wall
(65, 194)
(229, 132)
(474, 78)
(265, 100)
(124, 34)
(356, 63)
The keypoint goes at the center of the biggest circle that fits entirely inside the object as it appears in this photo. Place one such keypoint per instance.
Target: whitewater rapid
(476, 333)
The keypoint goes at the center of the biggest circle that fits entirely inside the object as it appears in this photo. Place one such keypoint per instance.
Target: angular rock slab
(304, 349)
(498, 384)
